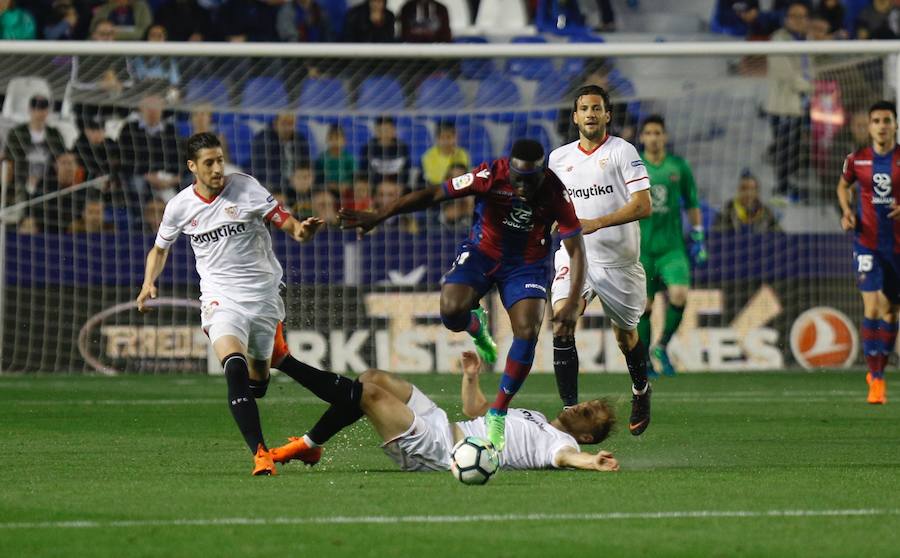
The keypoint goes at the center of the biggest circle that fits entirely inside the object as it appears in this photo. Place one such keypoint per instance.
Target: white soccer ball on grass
(474, 460)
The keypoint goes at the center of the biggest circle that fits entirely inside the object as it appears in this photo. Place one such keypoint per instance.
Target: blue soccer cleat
(659, 351)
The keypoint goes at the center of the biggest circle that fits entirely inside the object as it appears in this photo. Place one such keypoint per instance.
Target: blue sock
(518, 365)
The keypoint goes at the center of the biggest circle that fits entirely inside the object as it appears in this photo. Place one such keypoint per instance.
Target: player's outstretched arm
(638, 207)
(601, 461)
(302, 231)
(156, 262)
(568, 314)
(848, 218)
(475, 404)
(364, 221)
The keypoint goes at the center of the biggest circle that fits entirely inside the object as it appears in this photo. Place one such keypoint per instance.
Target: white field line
(405, 519)
(676, 397)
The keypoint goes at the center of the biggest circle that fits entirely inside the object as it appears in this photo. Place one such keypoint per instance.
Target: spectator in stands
(108, 74)
(130, 18)
(92, 220)
(746, 212)
(249, 20)
(787, 104)
(336, 166)
(158, 72)
(881, 20)
(385, 154)
(370, 22)
(15, 23)
(360, 197)
(99, 155)
(456, 215)
(325, 206)
(387, 192)
(438, 160)
(819, 28)
(153, 214)
(299, 198)
(31, 147)
(833, 12)
(744, 18)
(150, 155)
(63, 22)
(187, 20)
(277, 150)
(55, 214)
(424, 21)
(202, 121)
(303, 21)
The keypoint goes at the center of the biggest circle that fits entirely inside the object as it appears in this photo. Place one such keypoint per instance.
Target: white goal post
(770, 301)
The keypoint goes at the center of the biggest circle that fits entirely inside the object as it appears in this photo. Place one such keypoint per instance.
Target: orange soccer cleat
(280, 348)
(297, 448)
(877, 392)
(262, 462)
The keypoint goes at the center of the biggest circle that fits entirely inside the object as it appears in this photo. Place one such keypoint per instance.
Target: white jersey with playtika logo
(229, 237)
(600, 182)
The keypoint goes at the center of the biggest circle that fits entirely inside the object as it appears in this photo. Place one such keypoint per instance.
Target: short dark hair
(446, 125)
(527, 150)
(591, 90)
(884, 105)
(203, 140)
(654, 119)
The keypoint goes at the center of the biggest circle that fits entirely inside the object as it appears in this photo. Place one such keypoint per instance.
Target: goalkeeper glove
(697, 249)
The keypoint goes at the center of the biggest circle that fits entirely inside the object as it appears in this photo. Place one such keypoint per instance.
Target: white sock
(640, 392)
(309, 441)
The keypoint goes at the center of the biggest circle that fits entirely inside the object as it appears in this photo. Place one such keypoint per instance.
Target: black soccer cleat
(640, 412)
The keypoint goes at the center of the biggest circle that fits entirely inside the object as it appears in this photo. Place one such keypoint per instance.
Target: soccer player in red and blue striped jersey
(876, 223)
(517, 201)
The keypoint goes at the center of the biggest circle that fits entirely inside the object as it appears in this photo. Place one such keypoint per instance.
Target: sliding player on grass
(418, 436)
(608, 186)
(517, 202)
(225, 218)
(876, 224)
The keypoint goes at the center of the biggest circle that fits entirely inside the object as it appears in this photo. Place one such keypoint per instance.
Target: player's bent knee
(456, 320)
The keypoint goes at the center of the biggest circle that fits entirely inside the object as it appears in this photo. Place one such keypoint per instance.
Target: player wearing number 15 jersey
(876, 224)
(517, 201)
(610, 190)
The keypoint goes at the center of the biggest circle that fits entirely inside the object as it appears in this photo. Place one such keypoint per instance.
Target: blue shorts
(877, 271)
(515, 282)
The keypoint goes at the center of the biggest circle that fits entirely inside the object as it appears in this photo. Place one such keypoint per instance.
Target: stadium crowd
(360, 168)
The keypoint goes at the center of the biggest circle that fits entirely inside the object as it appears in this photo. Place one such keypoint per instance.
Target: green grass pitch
(761, 464)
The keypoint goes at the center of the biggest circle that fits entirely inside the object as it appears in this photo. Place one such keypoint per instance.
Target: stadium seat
(551, 89)
(531, 131)
(475, 138)
(438, 92)
(322, 93)
(19, 92)
(497, 92)
(529, 68)
(381, 93)
(238, 136)
(574, 66)
(264, 92)
(475, 68)
(499, 15)
(207, 90)
(416, 134)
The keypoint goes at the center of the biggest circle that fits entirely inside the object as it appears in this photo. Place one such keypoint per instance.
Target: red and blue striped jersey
(879, 187)
(506, 227)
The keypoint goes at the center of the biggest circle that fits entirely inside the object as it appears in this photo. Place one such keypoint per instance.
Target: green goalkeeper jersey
(671, 184)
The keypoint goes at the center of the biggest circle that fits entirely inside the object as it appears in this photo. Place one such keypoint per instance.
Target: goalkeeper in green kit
(663, 251)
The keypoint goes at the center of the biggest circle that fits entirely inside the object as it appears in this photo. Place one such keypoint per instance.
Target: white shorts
(622, 290)
(252, 323)
(426, 444)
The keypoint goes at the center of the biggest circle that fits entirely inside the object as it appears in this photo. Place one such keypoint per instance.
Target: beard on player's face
(593, 130)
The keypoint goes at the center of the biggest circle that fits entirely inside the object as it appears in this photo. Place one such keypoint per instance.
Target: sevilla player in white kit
(608, 185)
(225, 218)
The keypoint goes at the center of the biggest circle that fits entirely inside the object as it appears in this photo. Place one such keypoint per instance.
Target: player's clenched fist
(604, 461)
(147, 291)
(848, 221)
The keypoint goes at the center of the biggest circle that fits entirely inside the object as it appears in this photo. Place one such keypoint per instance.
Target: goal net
(94, 147)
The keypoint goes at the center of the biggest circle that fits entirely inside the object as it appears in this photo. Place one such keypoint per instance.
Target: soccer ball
(474, 460)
